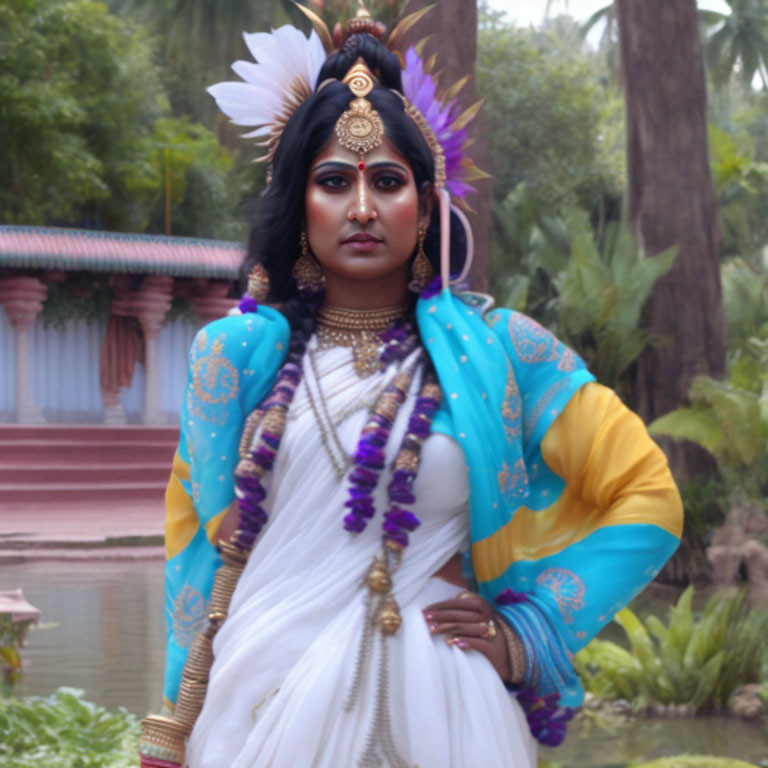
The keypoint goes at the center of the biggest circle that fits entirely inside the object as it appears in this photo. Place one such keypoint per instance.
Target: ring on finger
(490, 632)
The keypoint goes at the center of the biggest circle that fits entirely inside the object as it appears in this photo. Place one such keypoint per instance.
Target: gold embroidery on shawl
(531, 341)
(512, 481)
(567, 589)
(512, 407)
(215, 381)
(493, 319)
(532, 418)
(190, 613)
(567, 361)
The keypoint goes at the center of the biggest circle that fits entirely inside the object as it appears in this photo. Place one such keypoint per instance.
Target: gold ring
(490, 633)
(466, 595)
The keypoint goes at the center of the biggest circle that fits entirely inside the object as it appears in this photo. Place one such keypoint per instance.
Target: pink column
(122, 306)
(211, 303)
(150, 305)
(22, 298)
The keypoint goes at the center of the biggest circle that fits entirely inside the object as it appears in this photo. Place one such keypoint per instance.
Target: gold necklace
(340, 459)
(360, 329)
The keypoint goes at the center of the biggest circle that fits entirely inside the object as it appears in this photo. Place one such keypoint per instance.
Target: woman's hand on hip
(469, 622)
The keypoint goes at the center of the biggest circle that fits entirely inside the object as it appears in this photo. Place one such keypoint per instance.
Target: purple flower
(364, 478)
(421, 90)
(400, 494)
(395, 534)
(252, 486)
(546, 718)
(403, 519)
(433, 288)
(248, 304)
(353, 523)
(369, 456)
(510, 597)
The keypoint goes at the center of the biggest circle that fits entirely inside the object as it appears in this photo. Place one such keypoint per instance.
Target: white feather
(282, 57)
(265, 131)
(244, 104)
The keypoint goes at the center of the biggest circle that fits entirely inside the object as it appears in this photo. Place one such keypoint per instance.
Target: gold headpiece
(360, 128)
(292, 78)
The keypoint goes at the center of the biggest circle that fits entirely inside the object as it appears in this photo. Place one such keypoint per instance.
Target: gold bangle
(517, 659)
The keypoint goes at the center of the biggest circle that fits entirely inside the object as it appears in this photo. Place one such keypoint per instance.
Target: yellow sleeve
(610, 463)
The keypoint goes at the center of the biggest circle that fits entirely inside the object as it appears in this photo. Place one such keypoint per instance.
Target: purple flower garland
(370, 459)
(399, 342)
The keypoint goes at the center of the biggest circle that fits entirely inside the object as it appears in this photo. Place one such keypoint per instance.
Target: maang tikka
(360, 129)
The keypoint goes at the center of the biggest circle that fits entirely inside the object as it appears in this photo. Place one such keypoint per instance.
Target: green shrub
(693, 661)
(63, 731)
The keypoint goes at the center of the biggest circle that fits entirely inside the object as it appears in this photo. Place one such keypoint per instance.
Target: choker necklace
(360, 329)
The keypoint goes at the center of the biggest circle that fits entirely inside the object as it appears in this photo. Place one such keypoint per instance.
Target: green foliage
(78, 92)
(738, 41)
(602, 294)
(729, 422)
(742, 188)
(551, 124)
(693, 761)
(694, 660)
(189, 157)
(745, 300)
(85, 135)
(12, 635)
(63, 731)
(81, 296)
(589, 289)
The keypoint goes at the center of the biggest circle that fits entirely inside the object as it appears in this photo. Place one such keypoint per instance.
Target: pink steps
(84, 463)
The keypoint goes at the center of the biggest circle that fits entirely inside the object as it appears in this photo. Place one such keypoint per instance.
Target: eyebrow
(340, 165)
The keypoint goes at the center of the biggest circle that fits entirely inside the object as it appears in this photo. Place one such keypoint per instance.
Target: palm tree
(672, 202)
(608, 45)
(739, 39)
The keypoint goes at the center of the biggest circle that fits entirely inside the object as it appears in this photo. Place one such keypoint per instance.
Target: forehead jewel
(360, 128)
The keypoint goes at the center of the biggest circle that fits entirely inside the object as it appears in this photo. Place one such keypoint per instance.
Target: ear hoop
(445, 241)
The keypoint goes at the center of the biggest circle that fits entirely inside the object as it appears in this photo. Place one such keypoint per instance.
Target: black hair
(279, 213)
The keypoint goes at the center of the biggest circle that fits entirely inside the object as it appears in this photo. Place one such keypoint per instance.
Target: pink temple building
(93, 397)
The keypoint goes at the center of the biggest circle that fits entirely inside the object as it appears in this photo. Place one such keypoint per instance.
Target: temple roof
(83, 249)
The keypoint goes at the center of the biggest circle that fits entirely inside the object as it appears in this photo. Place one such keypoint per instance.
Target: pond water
(102, 631)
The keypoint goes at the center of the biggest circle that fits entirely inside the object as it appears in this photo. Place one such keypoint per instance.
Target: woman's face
(362, 224)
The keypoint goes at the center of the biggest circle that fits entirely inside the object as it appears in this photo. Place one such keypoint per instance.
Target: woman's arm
(228, 524)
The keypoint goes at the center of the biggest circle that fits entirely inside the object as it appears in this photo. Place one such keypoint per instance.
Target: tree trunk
(672, 203)
(453, 24)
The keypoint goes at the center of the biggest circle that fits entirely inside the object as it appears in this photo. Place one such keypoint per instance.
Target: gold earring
(307, 273)
(258, 284)
(421, 270)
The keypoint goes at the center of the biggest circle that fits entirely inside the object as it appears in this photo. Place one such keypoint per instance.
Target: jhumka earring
(258, 284)
(421, 270)
(307, 273)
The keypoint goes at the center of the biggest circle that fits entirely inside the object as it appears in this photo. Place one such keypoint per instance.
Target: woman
(374, 438)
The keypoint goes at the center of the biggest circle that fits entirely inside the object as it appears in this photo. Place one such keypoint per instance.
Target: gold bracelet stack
(164, 738)
(517, 659)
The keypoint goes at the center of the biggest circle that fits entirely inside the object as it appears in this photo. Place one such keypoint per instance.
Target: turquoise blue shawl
(505, 380)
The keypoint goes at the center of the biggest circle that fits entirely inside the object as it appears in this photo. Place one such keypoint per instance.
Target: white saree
(286, 655)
